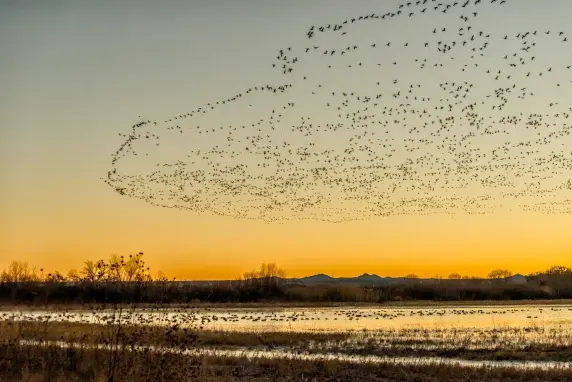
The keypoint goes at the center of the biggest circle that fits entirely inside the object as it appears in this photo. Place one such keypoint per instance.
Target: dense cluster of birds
(368, 122)
(283, 332)
(298, 319)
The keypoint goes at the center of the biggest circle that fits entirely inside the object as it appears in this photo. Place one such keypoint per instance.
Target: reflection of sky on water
(354, 358)
(329, 319)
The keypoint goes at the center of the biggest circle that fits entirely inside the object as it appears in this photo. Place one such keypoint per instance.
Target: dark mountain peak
(369, 276)
(318, 277)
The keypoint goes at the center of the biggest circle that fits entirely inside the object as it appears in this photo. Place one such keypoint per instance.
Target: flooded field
(334, 319)
(519, 337)
(352, 359)
(363, 329)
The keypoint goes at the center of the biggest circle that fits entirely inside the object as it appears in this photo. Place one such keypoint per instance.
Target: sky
(76, 75)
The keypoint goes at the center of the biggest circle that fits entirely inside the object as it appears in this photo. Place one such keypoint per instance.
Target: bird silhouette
(445, 122)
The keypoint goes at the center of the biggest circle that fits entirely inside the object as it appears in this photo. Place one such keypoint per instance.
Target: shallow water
(326, 319)
(285, 354)
(367, 331)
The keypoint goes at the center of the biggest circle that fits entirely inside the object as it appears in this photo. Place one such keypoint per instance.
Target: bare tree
(55, 277)
(455, 276)
(94, 271)
(74, 275)
(269, 275)
(161, 276)
(271, 270)
(116, 269)
(558, 270)
(265, 271)
(134, 269)
(499, 274)
(19, 271)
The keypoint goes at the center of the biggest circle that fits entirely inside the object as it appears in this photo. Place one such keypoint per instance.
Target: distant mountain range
(373, 279)
(365, 279)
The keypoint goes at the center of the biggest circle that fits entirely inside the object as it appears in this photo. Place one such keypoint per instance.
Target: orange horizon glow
(223, 248)
(336, 270)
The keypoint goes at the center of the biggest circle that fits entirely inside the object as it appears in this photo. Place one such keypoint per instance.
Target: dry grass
(517, 345)
(137, 352)
(157, 335)
(38, 363)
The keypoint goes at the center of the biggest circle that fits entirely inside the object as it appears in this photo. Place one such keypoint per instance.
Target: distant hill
(516, 279)
(373, 279)
(367, 279)
(370, 278)
(315, 279)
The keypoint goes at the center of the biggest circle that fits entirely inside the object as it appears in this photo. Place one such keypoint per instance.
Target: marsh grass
(158, 335)
(123, 342)
(40, 363)
(531, 343)
(151, 292)
(146, 352)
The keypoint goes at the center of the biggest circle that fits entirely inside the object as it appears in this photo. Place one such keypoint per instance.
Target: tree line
(129, 280)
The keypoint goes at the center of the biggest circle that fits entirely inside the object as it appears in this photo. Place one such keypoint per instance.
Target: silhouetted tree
(74, 275)
(558, 270)
(94, 271)
(133, 269)
(266, 271)
(19, 271)
(55, 277)
(268, 279)
(499, 274)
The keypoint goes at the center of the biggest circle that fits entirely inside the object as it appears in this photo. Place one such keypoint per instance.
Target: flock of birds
(338, 330)
(297, 319)
(456, 118)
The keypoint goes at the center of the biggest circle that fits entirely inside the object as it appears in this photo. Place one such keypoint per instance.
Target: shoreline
(80, 364)
(314, 344)
(86, 347)
(422, 360)
(288, 305)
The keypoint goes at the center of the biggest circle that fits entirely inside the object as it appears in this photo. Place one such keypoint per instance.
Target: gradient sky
(76, 74)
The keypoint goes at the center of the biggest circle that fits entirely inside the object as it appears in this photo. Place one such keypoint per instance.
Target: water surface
(325, 319)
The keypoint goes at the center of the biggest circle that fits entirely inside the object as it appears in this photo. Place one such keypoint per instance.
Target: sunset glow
(75, 77)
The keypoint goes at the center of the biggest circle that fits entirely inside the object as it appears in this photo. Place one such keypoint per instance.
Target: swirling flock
(452, 120)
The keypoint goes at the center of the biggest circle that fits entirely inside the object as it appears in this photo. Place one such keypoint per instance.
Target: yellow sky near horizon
(221, 248)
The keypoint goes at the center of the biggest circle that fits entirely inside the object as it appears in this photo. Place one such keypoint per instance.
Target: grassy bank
(126, 280)
(157, 335)
(281, 304)
(36, 363)
(545, 346)
(239, 292)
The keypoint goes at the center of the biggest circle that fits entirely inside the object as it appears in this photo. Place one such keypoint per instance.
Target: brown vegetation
(499, 274)
(387, 342)
(129, 280)
(133, 351)
(140, 353)
(41, 363)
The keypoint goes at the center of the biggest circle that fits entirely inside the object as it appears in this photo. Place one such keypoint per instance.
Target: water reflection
(285, 354)
(326, 319)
